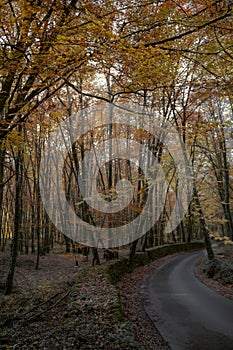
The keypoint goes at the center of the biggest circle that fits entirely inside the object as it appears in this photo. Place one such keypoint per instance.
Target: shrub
(210, 267)
(219, 270)
(225, 274)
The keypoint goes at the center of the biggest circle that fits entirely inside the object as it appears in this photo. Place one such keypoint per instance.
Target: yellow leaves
(145, 67)
(47, 125)
(27, 8)
(110, 196)
(56, 116)
(14, 140)
(62, 38)
(217, 237)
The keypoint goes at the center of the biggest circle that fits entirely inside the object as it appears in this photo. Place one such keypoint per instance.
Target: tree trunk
(38, 202)
(17, 223)
(202, 223)
(132, 253)
(2, 160)
(67, 244)
(95, 256)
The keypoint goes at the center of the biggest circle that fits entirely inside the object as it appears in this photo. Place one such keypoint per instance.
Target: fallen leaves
(67, 307)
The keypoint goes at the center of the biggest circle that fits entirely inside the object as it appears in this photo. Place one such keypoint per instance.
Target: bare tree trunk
(2, 159)
(132, 253)
(202, 223)
(95, 256)
(38, 200)
(17, 223)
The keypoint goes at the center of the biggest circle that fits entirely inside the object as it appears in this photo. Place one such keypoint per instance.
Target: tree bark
(17, 223)
(202, 223)
(2, 159)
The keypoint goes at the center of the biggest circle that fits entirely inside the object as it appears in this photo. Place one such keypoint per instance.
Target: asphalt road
(188, 314)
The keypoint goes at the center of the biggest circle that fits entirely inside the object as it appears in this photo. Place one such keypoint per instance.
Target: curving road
(188, 314)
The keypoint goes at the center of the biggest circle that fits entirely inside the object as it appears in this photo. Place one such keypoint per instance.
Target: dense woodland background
(172, 58)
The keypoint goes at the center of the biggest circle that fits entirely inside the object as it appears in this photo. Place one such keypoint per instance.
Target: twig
(45, 302)
(48, 309)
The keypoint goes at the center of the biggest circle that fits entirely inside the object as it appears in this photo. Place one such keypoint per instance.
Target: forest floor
(76, 307)
(62, 306)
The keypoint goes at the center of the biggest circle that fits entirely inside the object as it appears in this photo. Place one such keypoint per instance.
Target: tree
(17, 219)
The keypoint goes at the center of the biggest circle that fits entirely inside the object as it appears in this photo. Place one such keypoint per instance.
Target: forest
(115, 151)
(159, 63)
